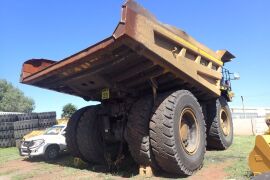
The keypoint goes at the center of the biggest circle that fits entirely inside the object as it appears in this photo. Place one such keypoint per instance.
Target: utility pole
(251, 121)
(243, 106)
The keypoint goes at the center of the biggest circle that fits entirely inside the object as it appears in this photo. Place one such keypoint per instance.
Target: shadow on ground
(128, 168)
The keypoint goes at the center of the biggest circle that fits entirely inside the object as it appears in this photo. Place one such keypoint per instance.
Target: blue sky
(56, 29)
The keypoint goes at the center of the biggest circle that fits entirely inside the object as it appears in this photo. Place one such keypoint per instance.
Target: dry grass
(63, 168)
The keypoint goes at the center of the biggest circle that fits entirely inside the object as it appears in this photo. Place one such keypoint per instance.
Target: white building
(249, 121)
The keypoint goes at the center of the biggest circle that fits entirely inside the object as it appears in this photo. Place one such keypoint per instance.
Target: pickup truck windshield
(54, 130)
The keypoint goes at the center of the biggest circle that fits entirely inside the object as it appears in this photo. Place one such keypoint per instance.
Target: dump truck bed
(141, 52)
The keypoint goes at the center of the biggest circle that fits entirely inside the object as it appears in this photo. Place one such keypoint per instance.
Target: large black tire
(8, 118)
(71, 132)
(7, 142)
(5, 126)
(89, 136)
(6, 134)
(219, 125)
(174, 152)
(137, 132)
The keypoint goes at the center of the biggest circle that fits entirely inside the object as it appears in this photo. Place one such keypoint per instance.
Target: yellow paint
(33, 134)
(40, 132)
(191, 46)
(77, 69)
(105, 94)
(146, 171)
(259, 159)
(79, 162)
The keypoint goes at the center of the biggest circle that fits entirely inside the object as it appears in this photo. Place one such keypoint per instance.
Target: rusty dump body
(142, 51)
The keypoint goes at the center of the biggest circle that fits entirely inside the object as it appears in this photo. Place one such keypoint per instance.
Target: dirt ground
(229, 164)
(213, 171)
(36, 169)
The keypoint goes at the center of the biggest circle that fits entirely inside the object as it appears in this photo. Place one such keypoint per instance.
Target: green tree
(68, 110)
(13, 99)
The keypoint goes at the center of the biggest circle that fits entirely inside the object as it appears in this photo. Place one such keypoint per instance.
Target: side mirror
(63, 133)
(236, 76)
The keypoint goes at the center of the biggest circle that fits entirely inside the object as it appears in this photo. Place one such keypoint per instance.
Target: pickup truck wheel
(71, 132)
(137, 132)
(177, 132)
(89, 136)
(51, 152)
(219, 125)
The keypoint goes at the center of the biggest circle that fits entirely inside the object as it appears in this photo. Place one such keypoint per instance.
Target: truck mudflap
(140, 51)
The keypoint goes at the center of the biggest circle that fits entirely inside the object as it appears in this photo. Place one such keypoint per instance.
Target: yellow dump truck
(163, 95)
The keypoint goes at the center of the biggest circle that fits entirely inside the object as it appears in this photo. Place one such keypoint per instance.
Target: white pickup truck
(49, 144)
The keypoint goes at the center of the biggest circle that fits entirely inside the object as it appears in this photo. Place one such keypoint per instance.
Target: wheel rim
(52, 153)
(189, 131)
(224, 122)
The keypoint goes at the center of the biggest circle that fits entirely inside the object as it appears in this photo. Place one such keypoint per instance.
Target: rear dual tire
(177, 133)
(85, 139)
(89, 136)
(137, 132)
(71, 132)
(172, 137)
